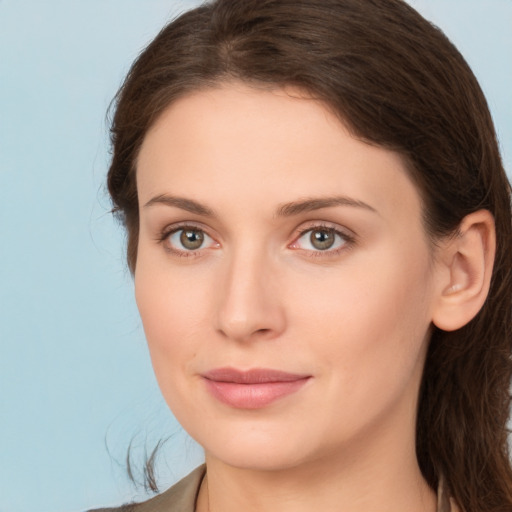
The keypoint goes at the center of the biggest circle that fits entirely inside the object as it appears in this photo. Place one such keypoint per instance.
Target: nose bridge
(248, 300)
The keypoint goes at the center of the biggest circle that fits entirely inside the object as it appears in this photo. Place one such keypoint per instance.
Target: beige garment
(182, 496)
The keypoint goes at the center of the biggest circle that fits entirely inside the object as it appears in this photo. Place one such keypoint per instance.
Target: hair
(397, 82)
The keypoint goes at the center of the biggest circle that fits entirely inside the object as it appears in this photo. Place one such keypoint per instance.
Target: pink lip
(252, 389)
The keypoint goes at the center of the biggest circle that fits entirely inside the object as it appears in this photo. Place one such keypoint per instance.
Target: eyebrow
(309, 205)
(188, 205)
(284, 210)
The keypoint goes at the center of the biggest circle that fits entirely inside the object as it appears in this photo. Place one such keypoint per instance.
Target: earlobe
(466, 262)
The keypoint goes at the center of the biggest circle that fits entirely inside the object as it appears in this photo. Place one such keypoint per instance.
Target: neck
(368, 478)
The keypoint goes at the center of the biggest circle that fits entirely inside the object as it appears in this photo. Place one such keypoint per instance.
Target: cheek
(368, 323)
(172, 309)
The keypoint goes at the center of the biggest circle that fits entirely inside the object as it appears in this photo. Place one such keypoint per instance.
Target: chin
(258, 449)
(258, 458)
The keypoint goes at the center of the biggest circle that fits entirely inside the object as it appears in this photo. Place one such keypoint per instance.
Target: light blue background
(76, 383)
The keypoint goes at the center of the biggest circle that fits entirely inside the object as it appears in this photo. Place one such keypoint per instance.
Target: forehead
(241, 146)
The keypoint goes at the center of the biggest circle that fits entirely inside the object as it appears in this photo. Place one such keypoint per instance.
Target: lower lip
(252, 396)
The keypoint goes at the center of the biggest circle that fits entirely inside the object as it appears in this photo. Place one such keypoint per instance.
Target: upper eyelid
(312, 225)
(305, 226)
(176, 226)
(342, 233)
(294, 235)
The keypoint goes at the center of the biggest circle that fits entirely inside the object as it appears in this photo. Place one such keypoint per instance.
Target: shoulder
(181, 497)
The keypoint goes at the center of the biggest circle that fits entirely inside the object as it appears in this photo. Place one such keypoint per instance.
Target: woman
(319, 229)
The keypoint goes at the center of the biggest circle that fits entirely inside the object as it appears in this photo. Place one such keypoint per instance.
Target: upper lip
(252, 376)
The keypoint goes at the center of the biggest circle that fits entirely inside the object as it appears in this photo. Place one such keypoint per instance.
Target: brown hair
(396, 81)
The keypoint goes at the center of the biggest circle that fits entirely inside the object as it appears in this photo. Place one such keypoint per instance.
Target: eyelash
(348, 240)
(168, 232)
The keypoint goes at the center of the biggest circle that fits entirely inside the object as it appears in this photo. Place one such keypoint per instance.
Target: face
(283, 277)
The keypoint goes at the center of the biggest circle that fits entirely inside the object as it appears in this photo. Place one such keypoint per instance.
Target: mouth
(252, 389)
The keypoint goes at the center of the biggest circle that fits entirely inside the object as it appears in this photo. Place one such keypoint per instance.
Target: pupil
(191, 239)
(322, 240)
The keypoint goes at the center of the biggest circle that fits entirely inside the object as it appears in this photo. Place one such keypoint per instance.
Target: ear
(466, 261)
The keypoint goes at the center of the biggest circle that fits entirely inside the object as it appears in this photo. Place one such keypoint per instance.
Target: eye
(187, 239)
(321, 239)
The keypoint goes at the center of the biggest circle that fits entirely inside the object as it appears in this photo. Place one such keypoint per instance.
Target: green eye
(191, 239)
(322, 239)
(187, 239)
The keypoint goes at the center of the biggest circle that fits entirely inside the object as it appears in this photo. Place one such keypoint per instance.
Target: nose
(249, 305)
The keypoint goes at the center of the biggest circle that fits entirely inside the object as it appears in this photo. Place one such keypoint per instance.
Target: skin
(356, 318)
